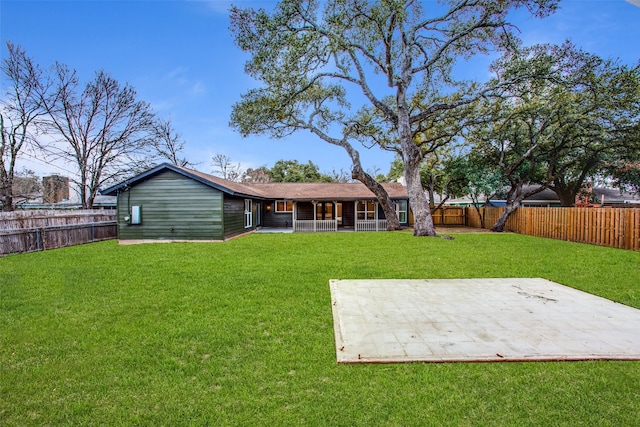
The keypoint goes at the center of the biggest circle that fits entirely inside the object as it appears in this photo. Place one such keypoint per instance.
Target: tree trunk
(6, 194)
(509, 209)
(423, 221)
(412, 157)
(567, 198)
(7, 203)
(432, 190)
(376, 188)
(480, 213)
(358, 173)
(566, 193)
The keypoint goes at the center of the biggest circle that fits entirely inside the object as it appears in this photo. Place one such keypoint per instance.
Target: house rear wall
(173, 207)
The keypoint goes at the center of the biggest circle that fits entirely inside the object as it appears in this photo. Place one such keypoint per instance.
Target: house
(600, 196)
(175, 203)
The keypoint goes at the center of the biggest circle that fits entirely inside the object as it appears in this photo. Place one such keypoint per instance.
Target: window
(401, 210)
(324, 210)
(366, 210)
(284, 206)
(248, 216)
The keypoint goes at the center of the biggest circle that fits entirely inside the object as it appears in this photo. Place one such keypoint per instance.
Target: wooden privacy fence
(449, 215)
(40, 230)
(446, 215)
(613, 227)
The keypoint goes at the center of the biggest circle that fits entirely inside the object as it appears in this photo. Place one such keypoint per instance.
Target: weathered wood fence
(29, 231)
(613, 227)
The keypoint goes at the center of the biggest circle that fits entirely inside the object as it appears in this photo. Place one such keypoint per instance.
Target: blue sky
(180, 57)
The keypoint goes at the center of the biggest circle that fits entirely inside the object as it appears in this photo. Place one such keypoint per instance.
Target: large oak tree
(314, 64)
(557, 114)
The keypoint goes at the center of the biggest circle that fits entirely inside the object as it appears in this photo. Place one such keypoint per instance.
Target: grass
(241, 333)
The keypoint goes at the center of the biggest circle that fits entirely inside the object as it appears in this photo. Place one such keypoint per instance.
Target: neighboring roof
(274, 190)
(614, 195)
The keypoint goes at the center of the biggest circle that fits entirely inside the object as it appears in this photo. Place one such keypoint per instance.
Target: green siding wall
(234, 216)
(173, 207)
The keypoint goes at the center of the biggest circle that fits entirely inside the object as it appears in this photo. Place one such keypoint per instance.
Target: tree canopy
(561, 113)
(315, 59)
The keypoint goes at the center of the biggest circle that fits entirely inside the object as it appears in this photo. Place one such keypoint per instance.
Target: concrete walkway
(388, 321)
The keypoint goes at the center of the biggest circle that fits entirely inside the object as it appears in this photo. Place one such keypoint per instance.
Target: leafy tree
(21, 115)
(293, 171)
(386, 51)
(543, 126)
(261, 174)
(475, 178)
(602, 117)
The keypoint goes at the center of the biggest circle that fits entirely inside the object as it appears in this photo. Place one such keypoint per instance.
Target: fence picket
(613, 227)
(28, 231)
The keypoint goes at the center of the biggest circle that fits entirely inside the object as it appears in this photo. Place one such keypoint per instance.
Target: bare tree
(225, 168)
(20, 116)
(169, 144)
(103, 129)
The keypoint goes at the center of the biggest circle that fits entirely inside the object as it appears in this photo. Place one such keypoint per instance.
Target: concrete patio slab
(478, 320)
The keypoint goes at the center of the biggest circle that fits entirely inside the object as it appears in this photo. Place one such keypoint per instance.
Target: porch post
(314, 215)
(355, 215)
(294, 216)
(375, 215)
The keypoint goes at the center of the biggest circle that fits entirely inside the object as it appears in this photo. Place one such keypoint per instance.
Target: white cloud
(634, 2)
(198, 88)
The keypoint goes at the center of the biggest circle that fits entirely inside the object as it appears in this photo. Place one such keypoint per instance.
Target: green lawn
(241, 333)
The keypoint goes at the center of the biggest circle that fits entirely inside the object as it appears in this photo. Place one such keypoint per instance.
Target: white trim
(248, 213)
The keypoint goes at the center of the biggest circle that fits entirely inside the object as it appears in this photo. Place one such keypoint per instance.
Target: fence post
(92, 231)
(38, 239)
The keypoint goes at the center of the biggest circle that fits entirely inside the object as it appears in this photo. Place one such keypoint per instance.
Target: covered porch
(336, 215)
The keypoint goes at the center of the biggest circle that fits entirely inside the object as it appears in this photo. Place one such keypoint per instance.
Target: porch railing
(371, 225)
(318, 225)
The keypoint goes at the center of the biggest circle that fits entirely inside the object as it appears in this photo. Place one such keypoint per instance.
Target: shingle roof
(324, 190)
(274, 190)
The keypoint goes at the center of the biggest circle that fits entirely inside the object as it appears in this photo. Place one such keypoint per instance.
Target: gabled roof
(273, 190)
(229, 187)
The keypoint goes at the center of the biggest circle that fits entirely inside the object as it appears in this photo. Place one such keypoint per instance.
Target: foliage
(261, 174)
(389, 54)
(475, 178)
(241, 333)
(548, 123)
(293, 171)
